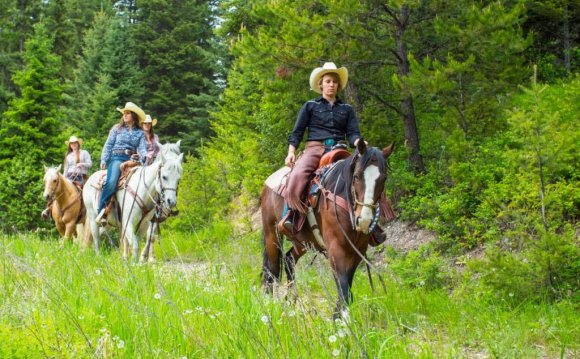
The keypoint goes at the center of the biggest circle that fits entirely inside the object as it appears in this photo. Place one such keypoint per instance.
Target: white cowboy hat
(328, 67)
(148, 119)
(74, 139)
(130, 106)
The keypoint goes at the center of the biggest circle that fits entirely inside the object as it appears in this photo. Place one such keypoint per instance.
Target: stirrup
(286, 226)
(100, 219)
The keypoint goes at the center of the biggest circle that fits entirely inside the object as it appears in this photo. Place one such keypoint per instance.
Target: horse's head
(169, 173)
(50, 181)
(369, 173)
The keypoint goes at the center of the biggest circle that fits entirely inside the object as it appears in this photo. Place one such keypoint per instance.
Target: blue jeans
(113, 174)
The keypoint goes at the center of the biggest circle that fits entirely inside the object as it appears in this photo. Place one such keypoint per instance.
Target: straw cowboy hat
(73, 139)
(130, 106)
(328, 67)
(148, 119)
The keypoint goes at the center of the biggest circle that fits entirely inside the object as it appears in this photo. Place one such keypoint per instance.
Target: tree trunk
(407, 108)
(566, 36)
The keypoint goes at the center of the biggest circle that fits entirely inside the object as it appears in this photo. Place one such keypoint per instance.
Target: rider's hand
(289, 161)
(135, 157)
(103, 166)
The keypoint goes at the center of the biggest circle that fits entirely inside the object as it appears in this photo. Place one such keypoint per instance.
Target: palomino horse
(347, 209)
(149, 190)
(67, 208)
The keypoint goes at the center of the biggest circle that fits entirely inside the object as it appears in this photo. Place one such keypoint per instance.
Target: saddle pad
(278, 178)
(123, 178)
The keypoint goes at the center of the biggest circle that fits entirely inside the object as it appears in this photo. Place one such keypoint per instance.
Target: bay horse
(347, 207)
(67, 208)
(148, 191)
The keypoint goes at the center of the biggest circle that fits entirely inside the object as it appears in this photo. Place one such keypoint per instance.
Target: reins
(54, 198)
(350, 209)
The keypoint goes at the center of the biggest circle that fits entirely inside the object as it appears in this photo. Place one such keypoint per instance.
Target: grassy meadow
(202, 299)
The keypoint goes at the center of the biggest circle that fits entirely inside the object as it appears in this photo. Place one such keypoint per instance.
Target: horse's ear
(58, 168)
(361, 146)
(178, 143)
(387, 151)
(45, 168)
(180, 158)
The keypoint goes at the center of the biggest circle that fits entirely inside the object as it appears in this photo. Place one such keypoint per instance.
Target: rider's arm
(86, 161)
(108, 147)
(352, 130)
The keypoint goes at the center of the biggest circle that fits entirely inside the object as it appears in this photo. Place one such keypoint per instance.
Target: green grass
(203, 299)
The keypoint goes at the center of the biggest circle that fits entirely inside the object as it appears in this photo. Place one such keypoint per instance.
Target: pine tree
(29, 133)
(175, 51)
(106, 77)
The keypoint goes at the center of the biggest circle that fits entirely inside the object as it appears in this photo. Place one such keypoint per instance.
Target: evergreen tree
(29, 133)
(179, 68)
(106, 77)
(16, 21)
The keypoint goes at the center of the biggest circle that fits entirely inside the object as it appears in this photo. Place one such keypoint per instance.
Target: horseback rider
(76, 165)
(76, 161)
(151, 139)
(126, 142)
(328, 120)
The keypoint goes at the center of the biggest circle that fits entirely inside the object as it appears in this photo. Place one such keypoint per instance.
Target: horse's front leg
(131, 243)
(148, 253)
(69, 232)
(344, 266)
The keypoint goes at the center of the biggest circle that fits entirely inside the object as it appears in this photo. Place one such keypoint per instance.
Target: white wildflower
(265, 319)
(332, 338)
(157, 296)
(121, 344)
(335, 352)
(97, 271)
(341, 333)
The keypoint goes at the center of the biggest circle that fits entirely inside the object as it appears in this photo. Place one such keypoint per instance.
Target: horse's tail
(88, 235)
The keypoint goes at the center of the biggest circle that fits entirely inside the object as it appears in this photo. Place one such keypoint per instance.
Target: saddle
(312, 191)
(127, 170)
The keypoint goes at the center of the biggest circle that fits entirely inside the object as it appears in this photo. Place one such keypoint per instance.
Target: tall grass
(203, 299)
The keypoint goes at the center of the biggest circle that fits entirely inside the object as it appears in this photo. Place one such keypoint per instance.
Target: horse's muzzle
(362, 225)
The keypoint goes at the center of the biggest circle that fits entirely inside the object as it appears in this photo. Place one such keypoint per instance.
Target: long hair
(151, 132)
(69, 150)
(134, 117)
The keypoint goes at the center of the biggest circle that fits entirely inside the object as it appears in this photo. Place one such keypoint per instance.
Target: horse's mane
(339, 179)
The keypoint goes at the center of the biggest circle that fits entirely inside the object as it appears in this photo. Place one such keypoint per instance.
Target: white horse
(150, 189)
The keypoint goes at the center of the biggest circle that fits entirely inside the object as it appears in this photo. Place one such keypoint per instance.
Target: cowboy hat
(74, 139)
(328, 67)
(130, 106)
(148, 119)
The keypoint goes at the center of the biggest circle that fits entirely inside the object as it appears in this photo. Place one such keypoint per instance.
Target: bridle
(372, 206)
(161, 200)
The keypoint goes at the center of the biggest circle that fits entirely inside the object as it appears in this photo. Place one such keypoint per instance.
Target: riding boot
(286, 224)
(378, 236)
(47, 213)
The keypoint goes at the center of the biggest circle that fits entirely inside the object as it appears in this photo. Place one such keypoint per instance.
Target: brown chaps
(299, 177)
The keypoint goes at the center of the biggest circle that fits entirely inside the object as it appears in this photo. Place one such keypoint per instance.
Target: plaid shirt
(121, 138)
